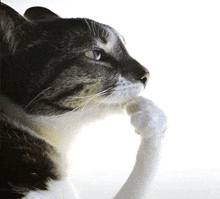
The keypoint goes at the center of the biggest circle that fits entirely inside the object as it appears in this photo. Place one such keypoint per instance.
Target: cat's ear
(39, 13)
(10, 18)
(10, 21)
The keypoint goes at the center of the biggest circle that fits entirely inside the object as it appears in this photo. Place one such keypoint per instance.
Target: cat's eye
(94, 54)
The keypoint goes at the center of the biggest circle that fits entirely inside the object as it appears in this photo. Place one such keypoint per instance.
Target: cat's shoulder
(27, 161)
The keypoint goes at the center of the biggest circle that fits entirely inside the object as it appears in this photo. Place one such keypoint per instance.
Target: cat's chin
(121, 103)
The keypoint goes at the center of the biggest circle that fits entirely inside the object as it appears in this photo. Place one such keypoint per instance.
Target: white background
(179, 42)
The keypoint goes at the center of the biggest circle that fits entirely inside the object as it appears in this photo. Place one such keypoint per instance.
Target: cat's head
(51, 65)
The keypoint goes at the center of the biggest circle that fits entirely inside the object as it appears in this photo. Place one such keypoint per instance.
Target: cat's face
(53, 65)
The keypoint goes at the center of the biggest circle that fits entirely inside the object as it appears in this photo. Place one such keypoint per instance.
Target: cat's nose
(145, 78)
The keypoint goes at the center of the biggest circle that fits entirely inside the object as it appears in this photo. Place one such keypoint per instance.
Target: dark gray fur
(44, 71)
(45, 57)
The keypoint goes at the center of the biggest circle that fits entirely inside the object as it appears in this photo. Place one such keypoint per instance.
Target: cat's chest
(61, 131)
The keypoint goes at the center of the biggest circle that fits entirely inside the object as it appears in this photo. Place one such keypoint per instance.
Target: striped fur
(57, 76)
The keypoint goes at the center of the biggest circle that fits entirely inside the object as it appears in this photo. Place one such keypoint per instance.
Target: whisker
(96, 105)
(33, 100)
(91, 97)
(87, 102)
(88, 24)
(106, 99)
(94, 31)
(93, 94)
(100, 94)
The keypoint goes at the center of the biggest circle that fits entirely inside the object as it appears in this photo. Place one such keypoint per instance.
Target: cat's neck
(60, 131)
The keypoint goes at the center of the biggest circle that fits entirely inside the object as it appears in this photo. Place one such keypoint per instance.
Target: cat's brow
(112, 39)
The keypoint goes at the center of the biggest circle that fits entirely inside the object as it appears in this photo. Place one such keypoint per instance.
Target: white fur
(56, 190)
(61, 130)
(148, 120)
(15, 115)
(125, 91)
(111, 42)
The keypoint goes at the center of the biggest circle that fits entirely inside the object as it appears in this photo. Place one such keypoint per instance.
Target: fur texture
(57, 76)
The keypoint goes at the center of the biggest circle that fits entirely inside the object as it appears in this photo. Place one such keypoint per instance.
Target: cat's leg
(150, 122)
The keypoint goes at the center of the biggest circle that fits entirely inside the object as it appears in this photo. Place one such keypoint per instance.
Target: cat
(57, 75)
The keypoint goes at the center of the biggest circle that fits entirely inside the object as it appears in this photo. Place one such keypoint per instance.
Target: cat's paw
(147, 119)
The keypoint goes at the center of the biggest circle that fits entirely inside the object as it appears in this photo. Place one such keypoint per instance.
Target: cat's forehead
(106, 37)
(112, 41)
